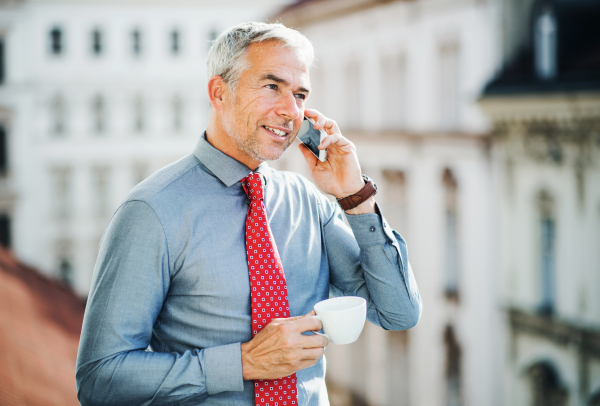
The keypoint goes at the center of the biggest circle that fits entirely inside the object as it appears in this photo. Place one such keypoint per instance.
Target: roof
(40, 324)
(578, 53)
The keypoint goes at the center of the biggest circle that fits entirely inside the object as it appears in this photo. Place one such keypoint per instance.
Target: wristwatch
(350, 202)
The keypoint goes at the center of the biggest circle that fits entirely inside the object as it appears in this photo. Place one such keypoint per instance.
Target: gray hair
(226, 56)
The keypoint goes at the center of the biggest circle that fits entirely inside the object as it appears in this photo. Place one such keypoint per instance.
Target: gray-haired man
(169, 316)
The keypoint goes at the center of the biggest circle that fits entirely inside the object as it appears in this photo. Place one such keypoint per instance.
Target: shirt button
(372, 228)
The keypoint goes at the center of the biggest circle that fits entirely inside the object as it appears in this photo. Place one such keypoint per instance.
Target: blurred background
(478, 119)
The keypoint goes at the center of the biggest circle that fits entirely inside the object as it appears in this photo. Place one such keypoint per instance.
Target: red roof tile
(40, 323)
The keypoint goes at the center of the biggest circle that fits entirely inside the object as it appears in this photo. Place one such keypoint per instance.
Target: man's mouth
(275, 131)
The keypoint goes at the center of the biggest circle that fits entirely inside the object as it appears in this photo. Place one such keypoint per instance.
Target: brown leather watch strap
(350, 202)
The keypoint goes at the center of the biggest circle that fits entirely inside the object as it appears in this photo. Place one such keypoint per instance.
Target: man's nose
(288, 106)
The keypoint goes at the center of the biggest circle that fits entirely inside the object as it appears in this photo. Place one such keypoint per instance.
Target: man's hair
(226, 56)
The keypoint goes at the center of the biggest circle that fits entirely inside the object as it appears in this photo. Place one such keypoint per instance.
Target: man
(172, 312)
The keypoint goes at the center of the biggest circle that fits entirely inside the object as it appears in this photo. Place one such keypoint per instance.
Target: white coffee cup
(343, 318)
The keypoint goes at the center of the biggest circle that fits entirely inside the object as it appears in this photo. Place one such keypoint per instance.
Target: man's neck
(221, 140)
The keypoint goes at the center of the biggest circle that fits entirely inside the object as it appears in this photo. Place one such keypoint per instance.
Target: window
(138, 114)
(58, 115)
(448, 108)
(394, 92)
(5, 230)
(56, 41)
(64, 253)
(97, 42)
(63, 193)
(65, 271)
(100, 180)
(3, 151)
(451, 255)
(545, 45)
(136, 41)
(395, 199)
(176, 106)
(453, 368)
(2, 61)
(98, 114)
(175, 42)
(547, 230)
(352, 101)
(546, 386)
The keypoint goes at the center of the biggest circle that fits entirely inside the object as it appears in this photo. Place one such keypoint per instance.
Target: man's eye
(272, 86)
(301, 96)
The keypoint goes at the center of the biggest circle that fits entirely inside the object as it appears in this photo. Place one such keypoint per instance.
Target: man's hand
(280, 349)
(340, 174)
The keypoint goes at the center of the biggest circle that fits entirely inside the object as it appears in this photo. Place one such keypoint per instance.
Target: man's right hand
(280, 349)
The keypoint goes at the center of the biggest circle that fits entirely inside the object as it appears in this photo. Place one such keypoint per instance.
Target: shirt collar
(227, 169)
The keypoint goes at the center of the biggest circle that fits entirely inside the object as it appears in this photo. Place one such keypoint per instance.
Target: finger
(334, 139)
(310, 158)
(312, 353)
(308, 324)
(330, 127)
(311, 313)
(311, 113)
(315, 341)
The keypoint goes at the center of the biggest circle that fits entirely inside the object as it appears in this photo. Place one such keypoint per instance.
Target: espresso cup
(343, 318)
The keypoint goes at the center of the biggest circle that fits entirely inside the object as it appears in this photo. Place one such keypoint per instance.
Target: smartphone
(311, 138)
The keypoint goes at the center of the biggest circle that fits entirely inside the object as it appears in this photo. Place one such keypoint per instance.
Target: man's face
(268, 108)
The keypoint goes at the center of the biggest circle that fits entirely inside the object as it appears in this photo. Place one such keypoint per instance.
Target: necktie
(268, 289)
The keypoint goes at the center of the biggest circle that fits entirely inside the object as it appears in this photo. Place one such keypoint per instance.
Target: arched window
(545, 40)
(451, 243)
(98, 114)
(58, 115)
(453, 368)
(547, 251)
(545, 385)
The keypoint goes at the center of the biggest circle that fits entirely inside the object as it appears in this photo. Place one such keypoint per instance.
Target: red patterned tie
(268, 289)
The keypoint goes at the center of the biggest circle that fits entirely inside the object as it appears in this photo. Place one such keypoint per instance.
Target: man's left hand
(340, 174)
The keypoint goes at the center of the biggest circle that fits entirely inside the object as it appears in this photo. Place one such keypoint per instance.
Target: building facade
(402, 79)
(545, 110)
(95, 96)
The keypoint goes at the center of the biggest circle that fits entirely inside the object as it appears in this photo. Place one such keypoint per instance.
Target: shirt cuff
(223, 368)
(370, 228)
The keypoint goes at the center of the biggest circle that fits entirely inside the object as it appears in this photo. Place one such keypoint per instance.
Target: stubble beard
(251, 144)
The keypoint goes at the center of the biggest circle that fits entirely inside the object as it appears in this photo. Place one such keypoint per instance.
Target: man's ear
(217, 89)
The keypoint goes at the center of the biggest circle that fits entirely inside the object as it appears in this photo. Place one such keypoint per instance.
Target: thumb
(310, 158)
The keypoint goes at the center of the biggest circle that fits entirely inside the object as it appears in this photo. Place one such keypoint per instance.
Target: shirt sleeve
(370, 260)
(131, 280)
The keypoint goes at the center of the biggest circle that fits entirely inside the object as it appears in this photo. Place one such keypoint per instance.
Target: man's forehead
(273, 59)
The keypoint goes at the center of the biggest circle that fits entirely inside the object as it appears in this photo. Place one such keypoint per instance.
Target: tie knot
(253, 186)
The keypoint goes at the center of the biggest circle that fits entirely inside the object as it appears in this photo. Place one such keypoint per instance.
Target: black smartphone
(312, 138)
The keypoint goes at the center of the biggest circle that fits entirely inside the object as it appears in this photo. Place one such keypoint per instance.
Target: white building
(545, 108)
(402, 79)
(95, 96)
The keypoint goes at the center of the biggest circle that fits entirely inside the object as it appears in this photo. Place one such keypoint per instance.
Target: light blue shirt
(169, 303)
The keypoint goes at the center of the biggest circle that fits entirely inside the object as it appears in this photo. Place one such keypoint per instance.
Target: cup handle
(316, 332)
